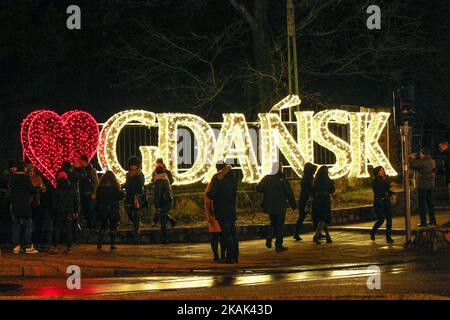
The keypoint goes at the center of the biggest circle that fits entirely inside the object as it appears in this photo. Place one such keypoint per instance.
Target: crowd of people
(41, 215)
(40, 212)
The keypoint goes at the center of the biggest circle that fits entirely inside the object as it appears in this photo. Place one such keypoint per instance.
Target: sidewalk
(348, 249)
(398, 224)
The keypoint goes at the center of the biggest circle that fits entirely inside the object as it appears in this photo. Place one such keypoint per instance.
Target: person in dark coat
(21, 189)
(74, 175)
(5, 178)
(322, 190)
(107, 200)
(425, 168)
(277, 197)
(160, 162)
(65, 206)
(36, 207)
(381, 186)
(223, 193)
(445, 153)
(88, 182)
(306, 195)
(134, 188)
(163, 199)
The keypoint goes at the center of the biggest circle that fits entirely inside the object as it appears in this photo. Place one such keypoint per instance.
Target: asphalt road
(413, 280)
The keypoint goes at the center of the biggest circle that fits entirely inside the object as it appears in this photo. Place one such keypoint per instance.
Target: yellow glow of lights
(234, 141)
(305, 134)
(323, 136)
(275, 134)
(375, 155)
(358, 132)
(235, 132)
(112, 132)
(168, 138)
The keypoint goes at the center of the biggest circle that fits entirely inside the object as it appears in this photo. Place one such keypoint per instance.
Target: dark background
(209, 57)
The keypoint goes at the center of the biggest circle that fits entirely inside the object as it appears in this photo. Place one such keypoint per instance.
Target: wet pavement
(288, 281)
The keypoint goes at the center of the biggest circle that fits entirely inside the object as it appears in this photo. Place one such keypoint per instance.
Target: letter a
(374, 20)
(74, 280)
(74, 20)
(374, 280)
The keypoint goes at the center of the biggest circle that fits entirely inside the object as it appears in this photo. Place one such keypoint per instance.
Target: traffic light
(404, 98)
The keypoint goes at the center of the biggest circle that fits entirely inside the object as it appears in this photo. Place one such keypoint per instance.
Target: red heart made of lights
(48, 139)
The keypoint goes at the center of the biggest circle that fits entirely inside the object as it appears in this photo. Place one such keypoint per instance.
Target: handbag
(393, 199)
(141, 200)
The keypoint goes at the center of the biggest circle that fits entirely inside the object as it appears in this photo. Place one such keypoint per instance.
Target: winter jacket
(87, 180)
(169, 175)
(213, 224)
(107, 202)
(224, 192)
(65, 201)
(381, 192)
(163, 192)
(134, 185)
(277, 194)
(425, 172)
(20, 190)
(446, 155)
(321, 209)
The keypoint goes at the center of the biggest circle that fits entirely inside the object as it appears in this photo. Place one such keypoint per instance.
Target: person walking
(223, 193)
(107, 200)
(306, 196)
(36, 208)
(65, 206)
(20, 191)
(381, 186)
(445, 153)
(88, 182)
(213, 225)
(425, 168)
(134, 188)
(163, 199)
(322, 189)
(74, 176)
(277, 197)
(172, 221)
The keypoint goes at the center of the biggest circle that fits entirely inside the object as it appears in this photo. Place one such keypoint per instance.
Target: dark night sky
(43, 64)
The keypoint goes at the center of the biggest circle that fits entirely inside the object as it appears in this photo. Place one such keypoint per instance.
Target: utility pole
(405, 132)
(292, 54)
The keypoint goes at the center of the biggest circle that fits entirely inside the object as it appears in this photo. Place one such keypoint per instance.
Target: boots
(113, 239)
(137, 224)
(316, 239)
(101, 234)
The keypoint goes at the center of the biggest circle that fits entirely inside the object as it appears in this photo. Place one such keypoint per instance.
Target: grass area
(189, 209)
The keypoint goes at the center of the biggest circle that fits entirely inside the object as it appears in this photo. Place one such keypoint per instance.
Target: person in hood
(163, 198)
(134, 188)
(160, 162)
(277, 197)
(88, 182)
(306, 196)
(322, 190)
(381, 186)
(65, 210)
(425, 168)
(107, 200)
(223, 193)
